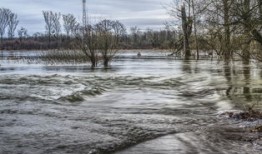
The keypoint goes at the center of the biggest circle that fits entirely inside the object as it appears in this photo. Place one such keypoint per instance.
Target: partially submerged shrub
(63, 56)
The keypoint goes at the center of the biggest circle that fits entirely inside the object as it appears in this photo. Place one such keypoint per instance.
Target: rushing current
(151, 104)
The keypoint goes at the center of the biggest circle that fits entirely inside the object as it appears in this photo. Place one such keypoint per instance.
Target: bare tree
(4, 18)
(195, 27)
(57, 27)
(184, 20)
(218, 24)
(187, 29)
(53, 26)
(100, 41)
(49, 24)
(243, 15)
(227, 33)
(247, 18)
(109, 35)
(12, 24)
(89, 44)
(69, 23)
(56, 23)
(256, 31)
(86, 40)
(135, 32)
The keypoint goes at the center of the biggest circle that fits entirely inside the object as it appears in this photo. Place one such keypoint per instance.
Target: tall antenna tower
(84, 13)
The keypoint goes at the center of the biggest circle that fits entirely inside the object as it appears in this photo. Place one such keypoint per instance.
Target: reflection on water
(186, 66)
(69, 108)
(228, 76)
(246, 72)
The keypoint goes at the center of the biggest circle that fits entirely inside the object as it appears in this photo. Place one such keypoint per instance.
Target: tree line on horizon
(61, 35)
(222, 27)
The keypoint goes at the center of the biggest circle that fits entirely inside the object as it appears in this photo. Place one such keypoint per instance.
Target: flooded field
(152, 104)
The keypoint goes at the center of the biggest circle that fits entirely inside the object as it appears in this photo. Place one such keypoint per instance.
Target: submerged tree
(187, 29)
(100, 42)
(247, 20)
(185, 20)
(226, 5)
(109, 36)
(89, 44)
(218, 24)
(195, 27)
(86, 41)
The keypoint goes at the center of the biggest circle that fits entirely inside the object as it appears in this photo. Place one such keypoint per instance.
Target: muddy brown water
(151, 104)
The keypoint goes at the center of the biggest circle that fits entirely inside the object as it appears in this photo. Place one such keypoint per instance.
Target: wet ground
(150, 104)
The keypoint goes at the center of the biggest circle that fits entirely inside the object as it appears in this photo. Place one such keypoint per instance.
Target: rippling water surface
(158, 104)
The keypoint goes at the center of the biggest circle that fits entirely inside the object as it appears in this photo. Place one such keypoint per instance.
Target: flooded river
(146, 105)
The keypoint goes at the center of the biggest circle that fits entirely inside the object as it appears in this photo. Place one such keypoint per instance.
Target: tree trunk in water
(226, 49)
(93, 63)
(246, 72)
(195, 29)
(185, 27)
(106, 63)
(247, 26)
(228, 76)
(246, 54)
(259, 37)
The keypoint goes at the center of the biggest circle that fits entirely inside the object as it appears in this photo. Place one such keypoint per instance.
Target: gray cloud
(141, 13)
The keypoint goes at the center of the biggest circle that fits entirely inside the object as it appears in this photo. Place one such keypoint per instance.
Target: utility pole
(84, 13)
(84, 28)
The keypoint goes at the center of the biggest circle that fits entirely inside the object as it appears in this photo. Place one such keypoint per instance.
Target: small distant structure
(138, 54)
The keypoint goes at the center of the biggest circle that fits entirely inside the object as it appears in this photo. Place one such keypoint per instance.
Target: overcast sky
(141, 13)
